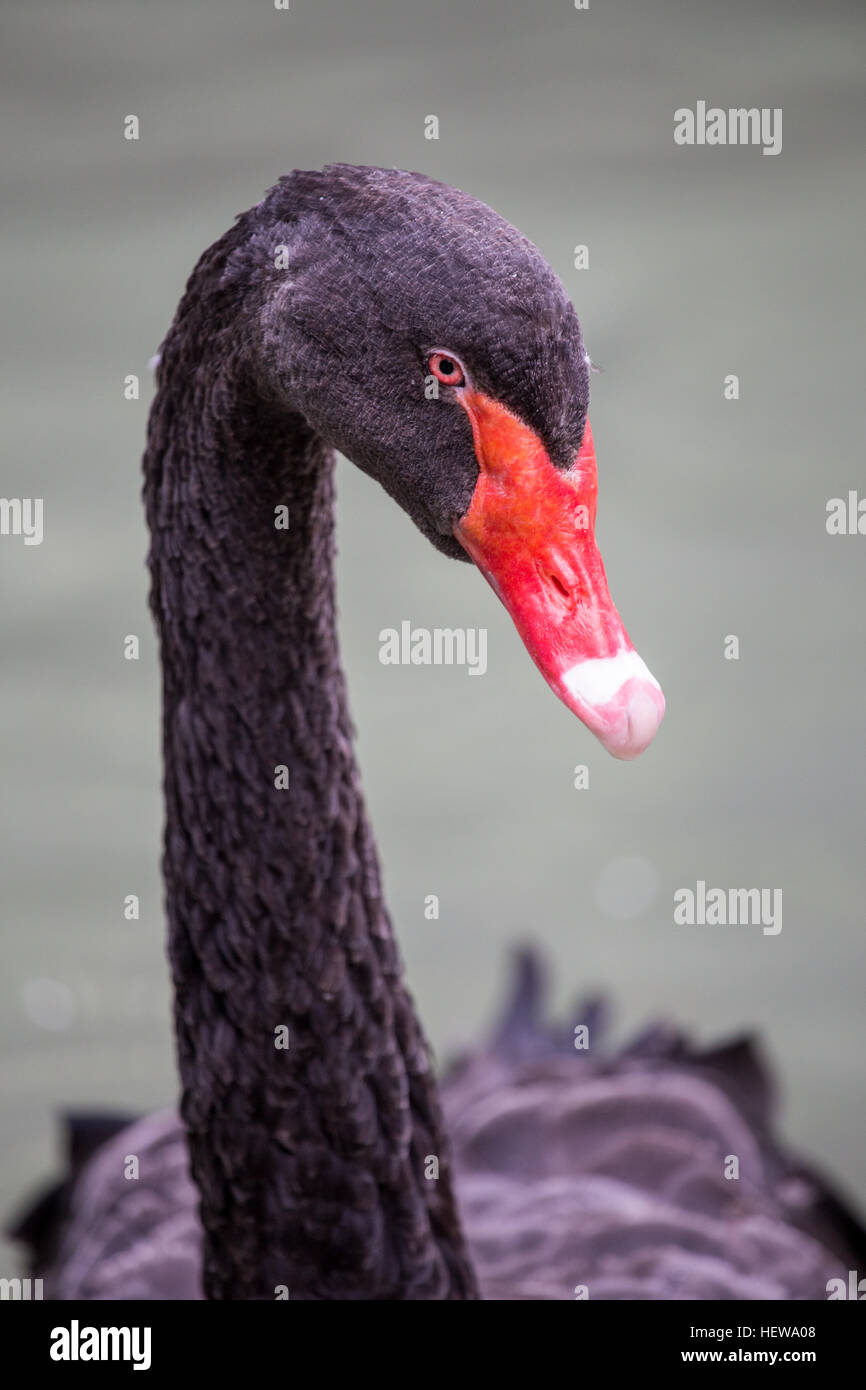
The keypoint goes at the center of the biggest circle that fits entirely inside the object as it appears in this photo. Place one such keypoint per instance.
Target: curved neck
(308, 1097)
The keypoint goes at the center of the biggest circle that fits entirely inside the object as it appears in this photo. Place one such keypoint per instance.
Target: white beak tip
(618, 699)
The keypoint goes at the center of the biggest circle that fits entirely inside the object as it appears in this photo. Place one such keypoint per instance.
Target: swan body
(600, 1179)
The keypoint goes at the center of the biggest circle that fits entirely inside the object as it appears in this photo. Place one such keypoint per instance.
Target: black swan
(400, 321)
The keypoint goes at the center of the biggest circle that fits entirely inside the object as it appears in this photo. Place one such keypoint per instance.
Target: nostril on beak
(561, 589)
(558, 585)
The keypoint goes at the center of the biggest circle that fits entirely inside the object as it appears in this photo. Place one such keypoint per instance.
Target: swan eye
(447, 369)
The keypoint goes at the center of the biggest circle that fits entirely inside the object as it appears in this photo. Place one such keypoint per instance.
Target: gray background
(702, 262)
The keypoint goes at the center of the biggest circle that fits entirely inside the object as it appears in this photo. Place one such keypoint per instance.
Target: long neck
(309, 1102)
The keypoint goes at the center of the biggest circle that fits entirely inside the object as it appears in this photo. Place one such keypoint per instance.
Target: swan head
(425, 338)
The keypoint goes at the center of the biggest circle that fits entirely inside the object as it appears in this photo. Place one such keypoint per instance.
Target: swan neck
(308, 1097)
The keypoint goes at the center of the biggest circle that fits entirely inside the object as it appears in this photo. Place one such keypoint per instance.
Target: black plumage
(304, 329)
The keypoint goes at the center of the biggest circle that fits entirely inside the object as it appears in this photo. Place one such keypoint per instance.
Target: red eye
(446, 369)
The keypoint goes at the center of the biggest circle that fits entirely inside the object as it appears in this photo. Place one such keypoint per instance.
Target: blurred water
(702, 262)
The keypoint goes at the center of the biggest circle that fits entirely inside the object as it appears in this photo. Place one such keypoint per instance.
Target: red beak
(530, 529)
